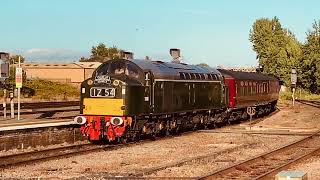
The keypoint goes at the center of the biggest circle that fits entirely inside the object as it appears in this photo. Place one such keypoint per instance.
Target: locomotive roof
(247, 75)
(168, 70)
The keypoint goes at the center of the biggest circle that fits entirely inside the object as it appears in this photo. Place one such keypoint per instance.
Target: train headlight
(116, 121)
(80, 120)
(116, 83)
(90, 82)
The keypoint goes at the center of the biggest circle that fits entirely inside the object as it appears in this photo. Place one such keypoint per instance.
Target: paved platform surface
(27, 123)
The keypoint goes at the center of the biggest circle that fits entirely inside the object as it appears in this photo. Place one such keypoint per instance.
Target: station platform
(32, 123)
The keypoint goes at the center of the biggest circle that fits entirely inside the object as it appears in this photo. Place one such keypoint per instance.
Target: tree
(277, 49)
(203, 65)
(311, 59)
(102, 53)
(14, 59)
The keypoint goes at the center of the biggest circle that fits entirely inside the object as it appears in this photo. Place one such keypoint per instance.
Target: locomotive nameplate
(102, 92)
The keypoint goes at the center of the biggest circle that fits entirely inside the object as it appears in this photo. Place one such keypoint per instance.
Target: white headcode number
(102, 92)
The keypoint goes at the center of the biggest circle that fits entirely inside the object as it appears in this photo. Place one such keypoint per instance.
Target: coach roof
(247, 75)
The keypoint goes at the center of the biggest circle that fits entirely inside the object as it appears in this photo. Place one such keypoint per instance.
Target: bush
(49, 90)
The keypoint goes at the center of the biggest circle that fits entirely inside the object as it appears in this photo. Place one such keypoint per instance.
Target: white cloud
(45, 54)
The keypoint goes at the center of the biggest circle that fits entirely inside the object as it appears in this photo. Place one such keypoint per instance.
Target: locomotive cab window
(103, 70)
(120, 67)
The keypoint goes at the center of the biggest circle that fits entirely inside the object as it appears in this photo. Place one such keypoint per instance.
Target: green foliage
(49, 90)
(311, 59)
(102, 53)
(203, 65)
(300, 94)
(277, 49)
(14, 59)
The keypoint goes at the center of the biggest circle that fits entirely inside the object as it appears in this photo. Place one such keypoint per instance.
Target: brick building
(73, 73)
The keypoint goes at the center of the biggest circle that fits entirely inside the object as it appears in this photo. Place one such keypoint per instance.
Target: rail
(262, 166)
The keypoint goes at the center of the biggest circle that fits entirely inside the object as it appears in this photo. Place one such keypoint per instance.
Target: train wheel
(123, 140)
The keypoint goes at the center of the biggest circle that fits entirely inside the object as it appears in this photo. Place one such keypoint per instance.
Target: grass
(299, 94)
(44, 90)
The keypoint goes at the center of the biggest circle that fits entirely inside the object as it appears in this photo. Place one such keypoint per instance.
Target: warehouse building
(72, 73)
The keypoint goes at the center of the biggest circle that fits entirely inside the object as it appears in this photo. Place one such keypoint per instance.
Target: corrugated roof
(88, 64)
(76, 65)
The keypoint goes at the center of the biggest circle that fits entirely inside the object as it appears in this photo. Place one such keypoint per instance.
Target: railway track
(271, 133)
(66, 151)
(193, 160)
(265, 166)
(27, 157)
(54, 104)
(309, 102)
(46, 108)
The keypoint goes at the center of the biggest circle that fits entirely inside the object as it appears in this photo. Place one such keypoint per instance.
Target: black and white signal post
(293, 83)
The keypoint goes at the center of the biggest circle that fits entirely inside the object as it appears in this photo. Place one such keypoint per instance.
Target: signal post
(19, 84)
(4, 75)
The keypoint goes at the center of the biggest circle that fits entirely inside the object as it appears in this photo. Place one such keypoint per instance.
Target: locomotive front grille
(99, 106)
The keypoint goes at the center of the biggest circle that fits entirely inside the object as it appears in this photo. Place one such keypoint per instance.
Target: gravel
(134, 159)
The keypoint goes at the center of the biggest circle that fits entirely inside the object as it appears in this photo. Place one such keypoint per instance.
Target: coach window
(242, 88)
(239, 89)
(246, 88)
(254, 88)
(264, 87)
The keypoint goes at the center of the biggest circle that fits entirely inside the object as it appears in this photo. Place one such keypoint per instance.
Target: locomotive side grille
(97, 106)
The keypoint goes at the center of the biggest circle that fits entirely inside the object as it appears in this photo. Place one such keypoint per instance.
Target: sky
(215, 32)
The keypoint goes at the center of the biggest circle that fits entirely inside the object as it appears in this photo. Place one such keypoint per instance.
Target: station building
(71, 73)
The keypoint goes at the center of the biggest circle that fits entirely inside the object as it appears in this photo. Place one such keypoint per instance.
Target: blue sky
(209, 31)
